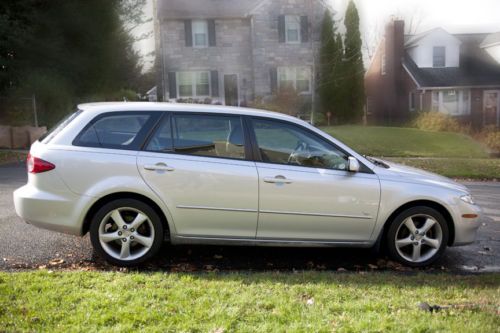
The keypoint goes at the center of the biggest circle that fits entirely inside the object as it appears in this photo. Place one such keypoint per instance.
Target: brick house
(456, 74)
(233, 51)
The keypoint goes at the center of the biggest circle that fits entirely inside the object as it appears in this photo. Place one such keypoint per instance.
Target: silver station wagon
(136, 174)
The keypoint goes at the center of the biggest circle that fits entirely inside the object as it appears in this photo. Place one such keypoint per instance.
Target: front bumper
(466, 228)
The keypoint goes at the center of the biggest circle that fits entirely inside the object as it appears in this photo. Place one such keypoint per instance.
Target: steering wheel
(301, 150)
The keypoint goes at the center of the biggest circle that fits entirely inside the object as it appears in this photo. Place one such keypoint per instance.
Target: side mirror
(353, 164)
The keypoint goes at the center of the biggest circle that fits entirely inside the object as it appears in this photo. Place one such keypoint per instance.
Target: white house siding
(422, 53)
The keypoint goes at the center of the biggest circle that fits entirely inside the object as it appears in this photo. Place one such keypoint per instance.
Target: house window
(439, 56)
(193, 84)
(383, 65)
(413, 101)
(298, 78)
(200, 33)
(292, 29)
(451, 102)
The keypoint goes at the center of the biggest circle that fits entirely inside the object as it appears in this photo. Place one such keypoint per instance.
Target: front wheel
(126, 232)
(418, 236)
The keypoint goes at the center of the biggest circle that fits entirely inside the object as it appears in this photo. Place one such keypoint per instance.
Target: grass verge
(263, 302)
(407, 142)
(472, 168)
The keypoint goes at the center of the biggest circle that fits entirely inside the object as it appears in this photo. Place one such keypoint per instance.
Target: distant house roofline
(218, 9)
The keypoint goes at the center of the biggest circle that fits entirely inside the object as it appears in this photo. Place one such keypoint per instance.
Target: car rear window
(47, 137)
(124, 130)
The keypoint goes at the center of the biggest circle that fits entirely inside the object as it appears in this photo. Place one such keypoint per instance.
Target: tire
(126, 232)
(417, 237)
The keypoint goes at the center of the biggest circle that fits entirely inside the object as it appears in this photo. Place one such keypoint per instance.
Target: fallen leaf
(310, 301)
(54, 262)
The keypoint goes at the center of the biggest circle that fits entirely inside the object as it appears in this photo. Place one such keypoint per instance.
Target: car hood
(399, 172)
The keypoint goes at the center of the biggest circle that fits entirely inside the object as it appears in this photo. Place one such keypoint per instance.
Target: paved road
(24, 246)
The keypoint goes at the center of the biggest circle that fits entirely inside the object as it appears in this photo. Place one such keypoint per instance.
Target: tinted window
(208, 135)
(162, 139)
(283, 143)
(116, 131)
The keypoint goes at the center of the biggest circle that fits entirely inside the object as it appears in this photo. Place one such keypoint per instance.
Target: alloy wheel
(418, 238)
(126, 233)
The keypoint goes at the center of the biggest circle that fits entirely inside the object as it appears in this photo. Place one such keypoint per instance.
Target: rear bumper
(61, 211)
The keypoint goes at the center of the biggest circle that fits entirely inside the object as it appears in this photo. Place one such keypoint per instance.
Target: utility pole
(35, 115)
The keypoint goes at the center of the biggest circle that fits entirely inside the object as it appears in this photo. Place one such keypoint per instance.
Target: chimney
(394, 53)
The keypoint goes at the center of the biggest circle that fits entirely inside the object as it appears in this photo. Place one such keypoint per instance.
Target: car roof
(181, 107)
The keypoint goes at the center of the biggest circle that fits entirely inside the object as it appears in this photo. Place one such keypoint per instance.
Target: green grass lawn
(237, 302)
(407, 142)
(472, 168)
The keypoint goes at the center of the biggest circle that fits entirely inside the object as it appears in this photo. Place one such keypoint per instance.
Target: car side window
(115, 131)
(209, 135)
(161, 141)
(288, 144)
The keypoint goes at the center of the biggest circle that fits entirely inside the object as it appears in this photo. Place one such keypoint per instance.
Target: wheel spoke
(403, 242)
(429, 223)
(125, 250)
(434, 243)
(139, 219)
(146, 241)
(410, 225)
(109, 237)
(117, 217)
(416, 252)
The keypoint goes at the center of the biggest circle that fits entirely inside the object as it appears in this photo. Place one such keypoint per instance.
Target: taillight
(37, 165)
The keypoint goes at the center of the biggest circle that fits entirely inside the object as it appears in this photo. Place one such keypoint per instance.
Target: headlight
(468, 199)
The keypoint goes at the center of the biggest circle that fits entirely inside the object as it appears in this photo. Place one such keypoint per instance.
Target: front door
(196, 164)
(306, 192)
(231, 89)
(491, 108)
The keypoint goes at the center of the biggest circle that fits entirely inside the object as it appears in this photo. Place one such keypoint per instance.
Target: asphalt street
(23, 246)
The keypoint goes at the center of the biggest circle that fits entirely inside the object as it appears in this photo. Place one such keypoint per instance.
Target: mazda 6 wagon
(134, 175)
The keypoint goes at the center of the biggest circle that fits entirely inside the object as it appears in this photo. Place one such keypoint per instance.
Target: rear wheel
(418, 236)
(126, 232)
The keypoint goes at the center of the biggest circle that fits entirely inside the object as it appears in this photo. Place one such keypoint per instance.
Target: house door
(491, 107)
(231, 89)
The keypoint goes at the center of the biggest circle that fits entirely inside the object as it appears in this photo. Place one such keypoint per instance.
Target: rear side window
(200, 135)
(47, 137)
(124, 130)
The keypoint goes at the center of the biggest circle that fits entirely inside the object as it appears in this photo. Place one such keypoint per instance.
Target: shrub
(438, 122)
(490, 136)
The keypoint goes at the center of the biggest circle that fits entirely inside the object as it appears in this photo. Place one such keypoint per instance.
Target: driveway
(24, 246)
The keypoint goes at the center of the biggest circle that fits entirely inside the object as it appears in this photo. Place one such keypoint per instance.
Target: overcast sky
(455, 16)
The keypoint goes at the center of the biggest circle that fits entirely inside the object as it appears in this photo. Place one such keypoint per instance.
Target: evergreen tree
(331, 54)
(68, 51)
(354, 78)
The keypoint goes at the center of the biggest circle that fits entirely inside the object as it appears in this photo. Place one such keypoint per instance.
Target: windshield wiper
(377, 162)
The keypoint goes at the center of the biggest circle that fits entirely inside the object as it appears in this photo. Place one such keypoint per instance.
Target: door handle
(277, 180)
(158, 167)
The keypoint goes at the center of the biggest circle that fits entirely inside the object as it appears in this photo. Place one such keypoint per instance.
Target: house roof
(413, 40)
(491, 39)
(184, 9)
(189, 9)
(477, 67)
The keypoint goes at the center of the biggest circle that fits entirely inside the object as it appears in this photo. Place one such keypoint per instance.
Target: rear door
(197, 164)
